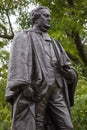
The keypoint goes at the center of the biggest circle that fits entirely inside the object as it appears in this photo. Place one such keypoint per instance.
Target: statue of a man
(41, 79)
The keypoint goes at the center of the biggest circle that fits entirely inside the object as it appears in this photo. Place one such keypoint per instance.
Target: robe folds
(27, 67)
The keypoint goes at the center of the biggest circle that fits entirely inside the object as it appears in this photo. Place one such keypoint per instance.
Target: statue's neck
(41, 28)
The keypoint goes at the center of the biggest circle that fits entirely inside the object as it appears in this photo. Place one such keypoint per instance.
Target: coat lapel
(39, 52)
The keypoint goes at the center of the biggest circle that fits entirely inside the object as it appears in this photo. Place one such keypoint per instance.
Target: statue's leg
(40, 110)
(23, 114)
(41, 114)
(59, 111)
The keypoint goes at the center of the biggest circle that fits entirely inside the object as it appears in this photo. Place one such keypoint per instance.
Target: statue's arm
(18, 76)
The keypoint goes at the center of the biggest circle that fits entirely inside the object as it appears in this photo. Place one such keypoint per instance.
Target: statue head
(40, 18)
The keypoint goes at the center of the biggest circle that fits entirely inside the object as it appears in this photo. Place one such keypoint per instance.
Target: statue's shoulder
(22, 34)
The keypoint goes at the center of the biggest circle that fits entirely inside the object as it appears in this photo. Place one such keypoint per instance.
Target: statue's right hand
(28, 93)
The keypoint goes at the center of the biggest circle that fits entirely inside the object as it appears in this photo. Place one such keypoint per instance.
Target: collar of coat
(45, 35)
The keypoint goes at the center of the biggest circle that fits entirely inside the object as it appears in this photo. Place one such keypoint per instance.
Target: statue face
(44, 20)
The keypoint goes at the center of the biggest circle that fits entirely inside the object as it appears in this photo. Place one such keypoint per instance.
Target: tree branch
(79, 46)
(6, 36)
(10, 23)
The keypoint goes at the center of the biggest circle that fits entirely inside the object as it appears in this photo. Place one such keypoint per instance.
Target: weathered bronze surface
(41, 80)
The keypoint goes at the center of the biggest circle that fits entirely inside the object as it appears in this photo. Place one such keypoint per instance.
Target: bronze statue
(41, 80)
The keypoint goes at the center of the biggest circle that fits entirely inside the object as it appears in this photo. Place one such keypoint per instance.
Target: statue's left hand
(67, 73)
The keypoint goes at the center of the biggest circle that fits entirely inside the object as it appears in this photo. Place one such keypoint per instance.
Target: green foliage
(5, 119)
(79, 111)
(82, 70)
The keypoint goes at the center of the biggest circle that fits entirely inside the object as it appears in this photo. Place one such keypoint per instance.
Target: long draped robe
(27, 67)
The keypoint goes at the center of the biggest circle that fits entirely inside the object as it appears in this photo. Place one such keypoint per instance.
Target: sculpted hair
(35, 14)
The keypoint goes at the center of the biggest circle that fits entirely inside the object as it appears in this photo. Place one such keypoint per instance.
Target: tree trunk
(80, 46)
